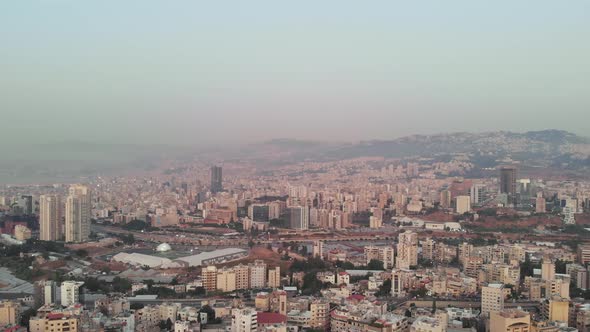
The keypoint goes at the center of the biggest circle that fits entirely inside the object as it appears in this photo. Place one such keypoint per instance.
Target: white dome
(163, 247)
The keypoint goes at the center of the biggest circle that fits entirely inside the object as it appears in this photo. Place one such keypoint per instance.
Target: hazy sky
(204, 71)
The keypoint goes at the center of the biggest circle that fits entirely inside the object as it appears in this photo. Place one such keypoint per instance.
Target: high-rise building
(463, 204)
(26, 203)
(242, 276)
(70, 292)
(477, 193)
(445, 199)
(50, 215)
(407, 250)
(49, 292)
(257, 274)
(259, 212)
(274, 277)
(209, 277)
(492, 299)
(508, 182)
(226, 279)
(244, 320)
(428, 249)
(584, 254)
(299, 217)
(320, 314)
(510, 320)
(384, 254)
(216, 179)
(541, 205)
(555, 309)
(548, 270)
(9, 313)
(78, 213)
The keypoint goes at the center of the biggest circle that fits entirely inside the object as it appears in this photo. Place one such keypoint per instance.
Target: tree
(311, 284)
(384, 289)
(169, 324)
(136, 306)
(26, 317)
(408, 313)
(375, 264)
(209, 311)
(81, 253)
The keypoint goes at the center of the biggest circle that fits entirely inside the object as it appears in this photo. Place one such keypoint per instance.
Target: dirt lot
(270, 257)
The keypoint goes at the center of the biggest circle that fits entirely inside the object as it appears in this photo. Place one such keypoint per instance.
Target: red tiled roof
(271, 318)
(357, 297)
(55, 316)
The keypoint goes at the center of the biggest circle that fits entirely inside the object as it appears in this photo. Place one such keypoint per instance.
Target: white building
(257, 274)
(70, 292)
(244, 320)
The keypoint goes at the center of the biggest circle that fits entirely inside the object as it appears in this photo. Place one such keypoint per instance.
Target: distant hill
(546, 148)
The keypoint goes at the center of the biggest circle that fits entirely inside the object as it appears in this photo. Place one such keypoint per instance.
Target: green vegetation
(279, 223)
(375, 264)
(313, 264)
(119, 285)
(138, 225)
(385, 289)
(311, 284)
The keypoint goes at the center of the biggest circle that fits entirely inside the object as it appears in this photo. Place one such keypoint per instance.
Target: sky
(202, 72)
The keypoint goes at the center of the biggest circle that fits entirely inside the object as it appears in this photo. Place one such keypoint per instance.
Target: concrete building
(508, 182)
(274, 277)
(257, 274)
(540, 205)
(216, 179)
(555, 309)
(407, 250)
(462, 204)
(49, 292)
(548, 270)
(384, 254)
(50, 218)
(209, 277)
(510, 321)
(70, 292)
(78, 213)
(492, 299)
(244, 320)
(375, 222)
(54, 322)
(242, 276)
(428, 324)
(584, 254)
(226, 280)
(9, 313)
(299, 217)
(22, 233)
(428, 249)
(320, 314)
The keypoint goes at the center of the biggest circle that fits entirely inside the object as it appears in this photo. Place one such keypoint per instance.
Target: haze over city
(192, 73)
(264, 166)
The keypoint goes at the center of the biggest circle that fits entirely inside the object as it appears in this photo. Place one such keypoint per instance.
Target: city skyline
(267, 166)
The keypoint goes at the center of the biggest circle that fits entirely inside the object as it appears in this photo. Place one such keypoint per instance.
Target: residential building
(492, 299)
(78, 213)
(50, 218)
